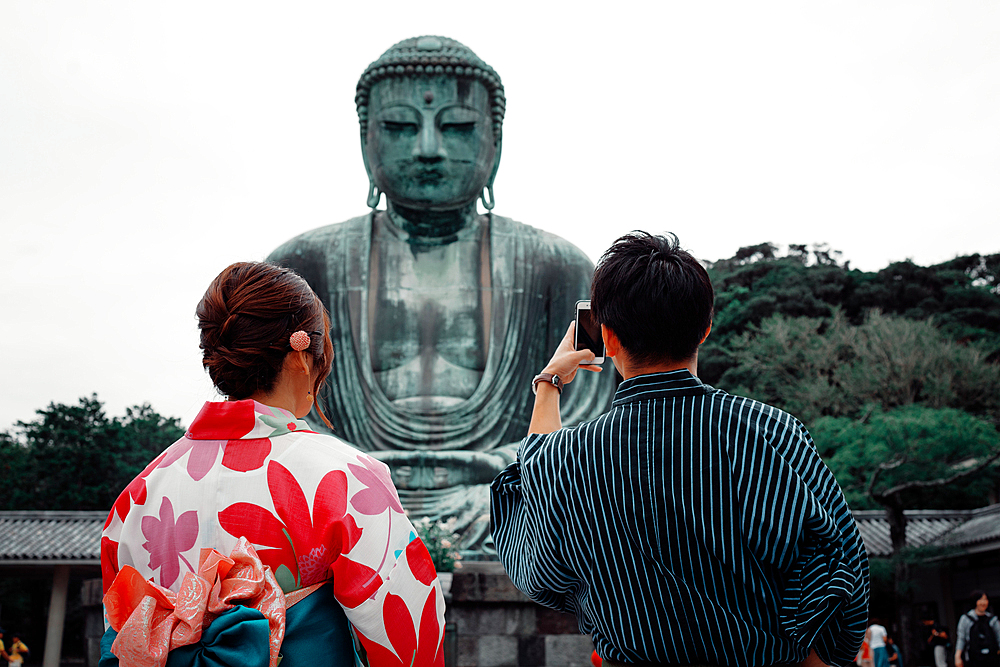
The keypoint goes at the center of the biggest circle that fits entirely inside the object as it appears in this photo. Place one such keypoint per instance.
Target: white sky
(145, 146)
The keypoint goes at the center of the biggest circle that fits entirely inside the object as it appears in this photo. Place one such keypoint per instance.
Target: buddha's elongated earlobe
(374, 194)
(488, 204)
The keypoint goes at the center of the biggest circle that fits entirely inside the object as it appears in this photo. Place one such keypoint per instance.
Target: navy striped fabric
(686, 526)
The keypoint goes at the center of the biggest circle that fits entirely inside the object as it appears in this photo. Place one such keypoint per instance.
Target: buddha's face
(430, 141)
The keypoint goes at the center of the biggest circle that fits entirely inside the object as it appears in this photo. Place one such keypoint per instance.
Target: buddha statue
(441, 314)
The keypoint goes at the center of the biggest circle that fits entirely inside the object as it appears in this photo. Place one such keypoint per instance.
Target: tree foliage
(816, 367)
(896, 372)
(962, 296)
(74, 457)
(913, 443)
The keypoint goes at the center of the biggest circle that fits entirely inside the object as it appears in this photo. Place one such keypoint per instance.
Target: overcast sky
(145, 146)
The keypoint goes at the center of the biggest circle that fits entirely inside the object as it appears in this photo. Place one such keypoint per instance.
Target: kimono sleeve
(527, 526)
(797, 520)
(387, 584)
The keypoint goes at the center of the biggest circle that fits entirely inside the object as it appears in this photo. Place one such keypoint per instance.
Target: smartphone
(588, 332)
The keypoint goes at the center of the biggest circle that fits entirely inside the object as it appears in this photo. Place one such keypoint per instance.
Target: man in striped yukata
(686, 526)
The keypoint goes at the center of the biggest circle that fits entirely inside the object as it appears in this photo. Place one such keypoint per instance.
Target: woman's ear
(298, 361)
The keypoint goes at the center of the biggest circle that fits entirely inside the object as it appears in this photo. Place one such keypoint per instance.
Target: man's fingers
(581, 357)
(568, 339)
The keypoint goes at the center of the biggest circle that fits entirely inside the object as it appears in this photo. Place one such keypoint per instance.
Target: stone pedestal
(92, 601)
(489, 623)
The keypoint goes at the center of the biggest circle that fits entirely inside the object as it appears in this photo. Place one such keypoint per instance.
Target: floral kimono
(310, 508)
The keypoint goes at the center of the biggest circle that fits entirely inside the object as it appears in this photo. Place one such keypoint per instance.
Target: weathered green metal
(441, 315)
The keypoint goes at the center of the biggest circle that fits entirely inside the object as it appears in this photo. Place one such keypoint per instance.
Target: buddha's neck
(432, 226)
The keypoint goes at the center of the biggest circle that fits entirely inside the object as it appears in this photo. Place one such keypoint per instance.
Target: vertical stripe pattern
(686, 526)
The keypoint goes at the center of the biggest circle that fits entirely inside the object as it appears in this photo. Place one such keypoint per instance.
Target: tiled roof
(954, 528)
(981, 529)
(51, 537)
(923, 527)
(75, 537)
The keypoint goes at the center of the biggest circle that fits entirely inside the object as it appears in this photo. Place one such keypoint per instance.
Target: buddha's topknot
(431, 55)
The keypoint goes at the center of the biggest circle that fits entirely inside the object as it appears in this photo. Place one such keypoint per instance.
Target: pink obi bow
(151, 620)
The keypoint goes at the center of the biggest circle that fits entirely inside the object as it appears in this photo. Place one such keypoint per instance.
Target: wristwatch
(551, 378)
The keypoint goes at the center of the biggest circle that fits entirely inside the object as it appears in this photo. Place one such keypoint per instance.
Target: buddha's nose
(430, 147)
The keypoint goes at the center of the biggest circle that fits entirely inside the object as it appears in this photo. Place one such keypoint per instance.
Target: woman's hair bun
(246, 318)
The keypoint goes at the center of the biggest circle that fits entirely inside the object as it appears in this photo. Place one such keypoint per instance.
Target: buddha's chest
(428, 319)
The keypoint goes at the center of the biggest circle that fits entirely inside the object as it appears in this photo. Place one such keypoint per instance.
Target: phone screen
(588, 331)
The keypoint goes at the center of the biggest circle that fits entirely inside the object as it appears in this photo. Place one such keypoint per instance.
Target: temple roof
(969, 530)
(51, 537)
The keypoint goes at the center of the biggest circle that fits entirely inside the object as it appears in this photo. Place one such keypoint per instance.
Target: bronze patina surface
(441, 315)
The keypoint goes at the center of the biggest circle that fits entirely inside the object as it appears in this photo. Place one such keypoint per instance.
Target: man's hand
(566, 361)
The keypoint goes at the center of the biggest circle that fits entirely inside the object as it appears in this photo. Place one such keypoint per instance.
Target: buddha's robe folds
(536, 279)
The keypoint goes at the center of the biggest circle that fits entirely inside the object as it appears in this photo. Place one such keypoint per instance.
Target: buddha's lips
(425, 175)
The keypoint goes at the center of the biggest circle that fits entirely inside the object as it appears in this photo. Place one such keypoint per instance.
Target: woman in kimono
(254, 537)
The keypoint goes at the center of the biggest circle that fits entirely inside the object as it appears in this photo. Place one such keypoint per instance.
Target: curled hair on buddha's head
(431, 55)
(656, 298)
(247, 317)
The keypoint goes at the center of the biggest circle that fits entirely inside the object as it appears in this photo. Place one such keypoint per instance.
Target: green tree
(961, 295)
(909, 456)
(816, 367)
(76, 457)
(904, 415)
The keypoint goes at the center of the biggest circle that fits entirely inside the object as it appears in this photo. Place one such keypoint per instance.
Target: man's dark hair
(976, 595)
(655, 297)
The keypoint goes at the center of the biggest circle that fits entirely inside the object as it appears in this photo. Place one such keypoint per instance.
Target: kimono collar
(243, 420)
(670, 384)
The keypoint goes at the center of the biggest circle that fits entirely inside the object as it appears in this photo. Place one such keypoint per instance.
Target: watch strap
(551, 378)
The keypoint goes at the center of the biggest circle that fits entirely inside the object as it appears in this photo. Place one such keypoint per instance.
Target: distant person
(939, 643)
(253, 516)
(892, 652)
(864, 658)
(876, 642)
(685, 526)
(977, 641)
(3, 652)
(17, 650)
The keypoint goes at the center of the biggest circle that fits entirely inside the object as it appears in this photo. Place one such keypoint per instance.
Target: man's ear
(611, 344)
(707, 331)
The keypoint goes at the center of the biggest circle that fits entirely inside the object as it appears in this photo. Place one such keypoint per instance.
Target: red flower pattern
(239, 455)
(410, 651)
(309, 546)
(135, 492)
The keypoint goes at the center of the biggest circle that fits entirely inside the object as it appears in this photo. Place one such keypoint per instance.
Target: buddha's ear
(364, 154)
(374, 194)
(488, 201)
(496, 163)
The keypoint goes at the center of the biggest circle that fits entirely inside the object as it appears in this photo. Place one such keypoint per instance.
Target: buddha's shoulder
(321, 240)
(542, 243)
